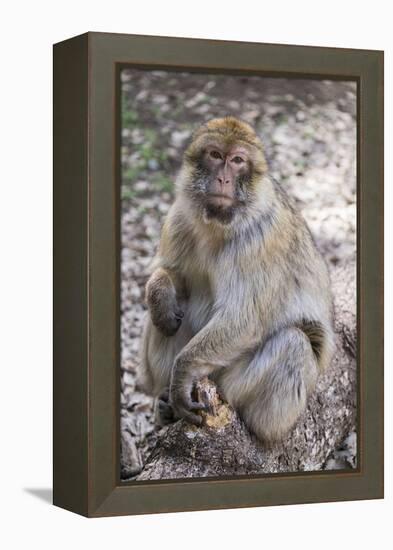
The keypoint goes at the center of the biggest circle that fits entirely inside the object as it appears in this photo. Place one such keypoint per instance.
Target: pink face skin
(226, 166)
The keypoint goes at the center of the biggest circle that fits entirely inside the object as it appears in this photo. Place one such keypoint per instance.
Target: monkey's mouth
(220, 200)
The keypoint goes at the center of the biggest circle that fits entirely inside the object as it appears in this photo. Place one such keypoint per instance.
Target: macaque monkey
(238, 291)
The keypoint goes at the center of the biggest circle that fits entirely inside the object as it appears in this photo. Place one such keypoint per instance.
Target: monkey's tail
(321, 340)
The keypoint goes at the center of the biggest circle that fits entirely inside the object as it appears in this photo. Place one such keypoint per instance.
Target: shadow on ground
(43, 494)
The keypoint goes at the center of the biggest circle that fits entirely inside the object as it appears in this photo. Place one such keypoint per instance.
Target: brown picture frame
(86, 477)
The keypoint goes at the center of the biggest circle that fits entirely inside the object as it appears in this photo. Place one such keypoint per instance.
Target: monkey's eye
(215, 155)
(237, 160)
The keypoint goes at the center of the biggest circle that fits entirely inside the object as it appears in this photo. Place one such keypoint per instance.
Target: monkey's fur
(239, 291)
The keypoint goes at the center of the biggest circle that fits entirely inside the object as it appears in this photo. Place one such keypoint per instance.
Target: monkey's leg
(271, 391)
(158, 356)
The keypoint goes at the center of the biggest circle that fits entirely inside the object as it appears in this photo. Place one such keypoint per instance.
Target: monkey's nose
(221, 181)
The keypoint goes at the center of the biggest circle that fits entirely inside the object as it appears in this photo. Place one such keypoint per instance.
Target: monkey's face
(225, 163)
(224, 174)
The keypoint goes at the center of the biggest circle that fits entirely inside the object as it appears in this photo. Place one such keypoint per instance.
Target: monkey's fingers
(197, 406)
(179, 314)
(184, 411)
(192, 418)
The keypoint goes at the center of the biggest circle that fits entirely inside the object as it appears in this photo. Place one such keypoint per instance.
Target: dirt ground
(308, 128)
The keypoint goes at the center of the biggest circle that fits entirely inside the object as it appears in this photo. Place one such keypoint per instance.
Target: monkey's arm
(223, 339)
(164, 289)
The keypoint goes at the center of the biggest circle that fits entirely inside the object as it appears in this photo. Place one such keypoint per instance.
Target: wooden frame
(86, 273)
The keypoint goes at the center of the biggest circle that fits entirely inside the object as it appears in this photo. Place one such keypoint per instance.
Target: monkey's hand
(166, 315)
(161, 297)
(181, 398)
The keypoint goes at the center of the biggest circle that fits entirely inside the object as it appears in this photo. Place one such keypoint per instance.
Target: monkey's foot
(164, 413)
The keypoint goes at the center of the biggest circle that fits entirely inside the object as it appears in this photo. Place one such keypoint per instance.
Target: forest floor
(308, 128)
